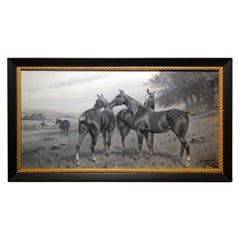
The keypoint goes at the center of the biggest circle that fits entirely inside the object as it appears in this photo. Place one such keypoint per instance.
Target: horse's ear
(121, 91)
(98, 96)
(148, 91)
(101, 95)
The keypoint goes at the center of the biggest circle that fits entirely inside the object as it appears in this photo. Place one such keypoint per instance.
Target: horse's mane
(134, 100)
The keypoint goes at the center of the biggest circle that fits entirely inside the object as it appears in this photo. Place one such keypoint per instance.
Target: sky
(76, 91)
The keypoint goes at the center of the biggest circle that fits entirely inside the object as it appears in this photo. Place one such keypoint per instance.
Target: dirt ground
(48, 149)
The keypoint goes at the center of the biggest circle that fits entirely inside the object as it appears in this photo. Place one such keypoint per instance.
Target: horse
(64, 126)
(124, 118)
(149, 102)
(146, 120)
(98, 119)
(43, 124)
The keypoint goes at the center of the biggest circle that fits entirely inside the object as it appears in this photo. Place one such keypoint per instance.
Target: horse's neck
(133, 105)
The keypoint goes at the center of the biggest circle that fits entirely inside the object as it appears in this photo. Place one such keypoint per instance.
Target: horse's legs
(181, 152)
(185, 145)
(109, 141)
(140, 142)
(104, 134)
(152, 140)
(124, 132)
(82, 133)
(94, 136)
(149, 143)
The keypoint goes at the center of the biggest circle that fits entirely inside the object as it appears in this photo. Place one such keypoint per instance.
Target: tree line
(34, 116)
(193, 88)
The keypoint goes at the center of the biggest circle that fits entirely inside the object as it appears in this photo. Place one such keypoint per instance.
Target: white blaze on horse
(146, 120)
(99, 119)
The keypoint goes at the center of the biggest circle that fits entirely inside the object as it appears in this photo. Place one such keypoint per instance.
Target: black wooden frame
(225, 176)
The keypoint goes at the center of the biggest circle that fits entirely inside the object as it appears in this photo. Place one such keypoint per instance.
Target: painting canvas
(120, 119)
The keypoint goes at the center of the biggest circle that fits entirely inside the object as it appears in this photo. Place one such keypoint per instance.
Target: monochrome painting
(137, 119)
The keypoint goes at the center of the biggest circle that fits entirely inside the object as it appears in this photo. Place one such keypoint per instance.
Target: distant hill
(42, 115)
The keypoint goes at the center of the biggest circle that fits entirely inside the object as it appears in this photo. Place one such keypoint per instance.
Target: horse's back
(162, 121)
(99, 120)
(66, 124)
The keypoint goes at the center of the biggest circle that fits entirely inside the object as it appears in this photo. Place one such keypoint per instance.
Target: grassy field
(48, 149)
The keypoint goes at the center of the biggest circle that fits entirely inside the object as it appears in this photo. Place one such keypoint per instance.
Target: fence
(33, 127)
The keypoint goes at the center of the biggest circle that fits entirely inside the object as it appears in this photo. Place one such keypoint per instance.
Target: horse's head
(101, 102)
(57, 120)
(149, 99)
(118, 100)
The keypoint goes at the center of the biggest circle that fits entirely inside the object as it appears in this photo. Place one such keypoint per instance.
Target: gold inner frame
(121, 170)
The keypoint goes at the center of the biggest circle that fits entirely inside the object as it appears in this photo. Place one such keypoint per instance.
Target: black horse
(98, 119)
(146, 120)
(43, 124)
(124, 118)
(64, 126)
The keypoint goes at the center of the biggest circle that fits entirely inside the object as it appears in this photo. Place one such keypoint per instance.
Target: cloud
(73, 81)
(77, 90)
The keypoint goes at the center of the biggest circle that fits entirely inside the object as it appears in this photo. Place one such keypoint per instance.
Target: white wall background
(118, 29)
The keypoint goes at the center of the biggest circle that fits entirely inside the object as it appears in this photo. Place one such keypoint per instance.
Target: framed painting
(120, 119)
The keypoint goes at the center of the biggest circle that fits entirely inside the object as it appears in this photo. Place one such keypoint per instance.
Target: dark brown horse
(43, 124)
(149, 102)
(124, 118)
(93, 121)
(64, 126)
(146, 120)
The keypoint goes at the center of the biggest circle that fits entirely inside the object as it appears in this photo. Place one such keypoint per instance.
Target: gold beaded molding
(120, 170)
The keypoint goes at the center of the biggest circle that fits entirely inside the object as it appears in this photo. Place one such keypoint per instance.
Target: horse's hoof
(188, 161)
(149, 156)
(76, 162)
(188, 165)
(94, 159)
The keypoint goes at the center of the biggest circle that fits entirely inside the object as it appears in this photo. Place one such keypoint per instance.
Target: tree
(193, 88)
(35, 116)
